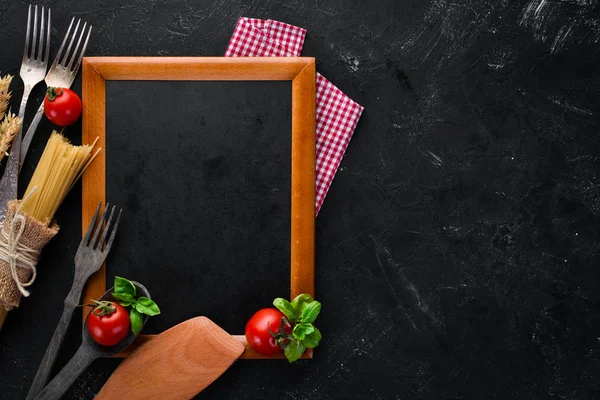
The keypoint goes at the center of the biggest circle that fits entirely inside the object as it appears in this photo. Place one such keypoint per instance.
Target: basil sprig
(301, 312)
(124, 293)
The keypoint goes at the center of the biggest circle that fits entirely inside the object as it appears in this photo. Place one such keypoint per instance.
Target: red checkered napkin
(337, 114)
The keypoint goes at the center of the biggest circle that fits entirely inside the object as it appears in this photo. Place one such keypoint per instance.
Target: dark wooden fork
(89, 258)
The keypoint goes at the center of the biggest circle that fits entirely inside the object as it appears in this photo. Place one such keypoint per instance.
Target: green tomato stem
(104, 308)
(53, 93)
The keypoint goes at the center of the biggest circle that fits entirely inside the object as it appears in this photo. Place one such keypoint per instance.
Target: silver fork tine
(92, 243)
(106, 229)
(47, 56)
(87, 39)
(35, 33)
(41, 44)
(63, 61)
(76, 47)
(113, 233)
(86, 238)
(27, 35)
(62, 46)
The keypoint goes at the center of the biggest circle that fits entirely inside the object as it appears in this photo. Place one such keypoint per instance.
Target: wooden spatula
(176, 364)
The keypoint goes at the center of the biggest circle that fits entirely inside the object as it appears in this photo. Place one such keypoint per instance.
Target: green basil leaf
(312, 339)
(310, 311)
(299, 302)
(294, 350)
(286, 308)
(298, 332)
(122, 297)
(308, 328)
(124, 286)
(301, 330)
(137, 320)
(147, 306)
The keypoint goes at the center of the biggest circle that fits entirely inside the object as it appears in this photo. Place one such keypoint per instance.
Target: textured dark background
(457, 249)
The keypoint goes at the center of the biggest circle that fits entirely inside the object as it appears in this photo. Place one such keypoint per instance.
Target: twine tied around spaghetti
(15, 253)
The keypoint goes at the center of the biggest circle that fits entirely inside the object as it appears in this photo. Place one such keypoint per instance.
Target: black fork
(89, 258)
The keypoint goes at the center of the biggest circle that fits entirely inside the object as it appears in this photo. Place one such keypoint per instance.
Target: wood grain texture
(94, 179)
(303, 182)
(249, 352)
(301, 71)
(199, 68)
(176, 364)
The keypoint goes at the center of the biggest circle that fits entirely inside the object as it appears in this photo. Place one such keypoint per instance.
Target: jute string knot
(22, 238)
(17, 254)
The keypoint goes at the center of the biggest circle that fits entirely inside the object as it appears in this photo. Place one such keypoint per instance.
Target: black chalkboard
(202, 172)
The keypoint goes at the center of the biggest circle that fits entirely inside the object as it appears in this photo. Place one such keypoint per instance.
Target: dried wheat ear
(9, 122)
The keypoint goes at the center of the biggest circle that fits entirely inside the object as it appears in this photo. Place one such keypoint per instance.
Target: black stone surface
(457, 249)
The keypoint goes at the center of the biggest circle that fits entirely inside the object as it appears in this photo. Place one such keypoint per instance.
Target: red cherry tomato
(257, 330)
(110, 328)
(62, 106)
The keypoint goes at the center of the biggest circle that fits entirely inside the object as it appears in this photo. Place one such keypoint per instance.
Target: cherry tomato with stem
(62, 106)
(267, 330)
(108, 323)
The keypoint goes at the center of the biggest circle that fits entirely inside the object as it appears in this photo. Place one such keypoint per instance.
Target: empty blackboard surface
(202, 172)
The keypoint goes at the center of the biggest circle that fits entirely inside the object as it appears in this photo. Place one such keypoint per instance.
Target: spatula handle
(65, 378)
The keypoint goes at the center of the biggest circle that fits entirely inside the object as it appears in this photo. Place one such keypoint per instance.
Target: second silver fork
(61, 74)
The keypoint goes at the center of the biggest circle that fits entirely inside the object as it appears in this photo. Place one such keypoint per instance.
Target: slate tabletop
(457, 250)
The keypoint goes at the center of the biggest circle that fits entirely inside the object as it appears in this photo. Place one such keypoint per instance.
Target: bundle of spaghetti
(9, 122)
(29, 225)
(58, 169)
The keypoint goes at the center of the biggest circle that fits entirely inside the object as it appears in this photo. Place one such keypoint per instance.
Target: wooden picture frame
(300, 70)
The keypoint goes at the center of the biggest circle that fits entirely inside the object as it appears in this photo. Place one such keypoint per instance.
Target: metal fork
(33, 69)
(89, 258)
(62, 73)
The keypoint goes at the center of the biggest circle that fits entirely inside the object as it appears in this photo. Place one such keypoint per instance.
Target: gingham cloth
(337, 114)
